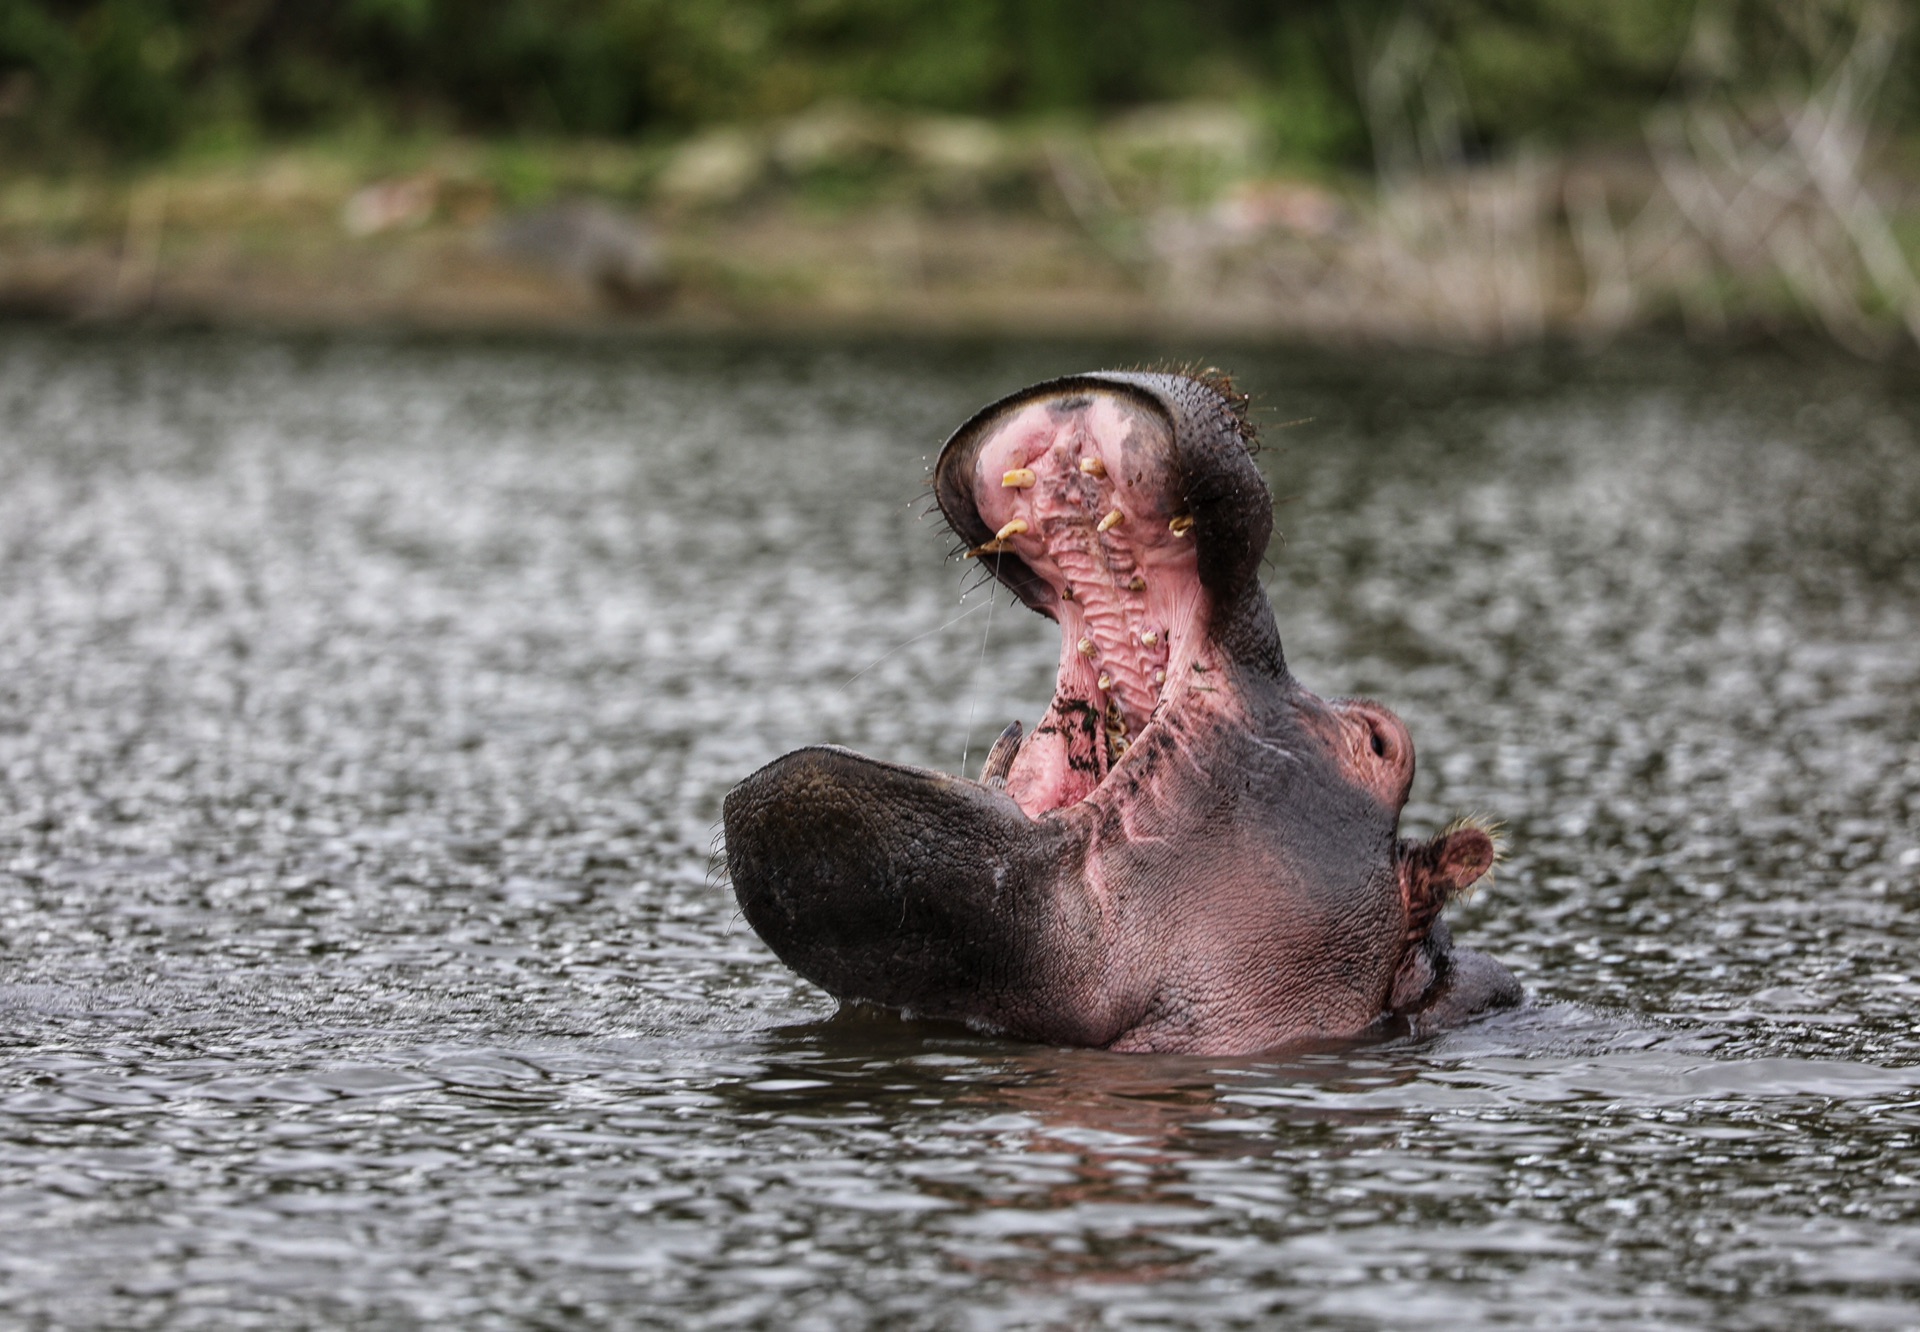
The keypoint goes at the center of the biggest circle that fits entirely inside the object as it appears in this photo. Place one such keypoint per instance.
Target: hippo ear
(1433, 873)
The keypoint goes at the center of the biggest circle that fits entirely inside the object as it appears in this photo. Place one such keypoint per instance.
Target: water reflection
(365, 711)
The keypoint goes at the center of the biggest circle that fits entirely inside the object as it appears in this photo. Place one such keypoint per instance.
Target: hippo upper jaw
(1141, 539)
(1190, 851)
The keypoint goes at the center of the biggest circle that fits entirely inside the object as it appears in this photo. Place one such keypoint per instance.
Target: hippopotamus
(1191, 851)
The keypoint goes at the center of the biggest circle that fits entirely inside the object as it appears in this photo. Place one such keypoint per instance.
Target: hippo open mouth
(1191, 851)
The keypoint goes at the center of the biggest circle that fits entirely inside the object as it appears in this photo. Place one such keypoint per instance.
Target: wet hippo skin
(1191, 851)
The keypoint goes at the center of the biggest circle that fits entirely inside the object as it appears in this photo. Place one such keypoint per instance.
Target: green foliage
(1561, 68)
(136, 76)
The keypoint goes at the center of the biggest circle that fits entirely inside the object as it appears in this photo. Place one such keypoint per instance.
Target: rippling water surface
(365, 712)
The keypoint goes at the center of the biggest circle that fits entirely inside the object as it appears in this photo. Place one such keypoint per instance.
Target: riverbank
(1169, 220)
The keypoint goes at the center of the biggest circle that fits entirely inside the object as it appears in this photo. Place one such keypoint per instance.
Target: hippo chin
(1191, 851)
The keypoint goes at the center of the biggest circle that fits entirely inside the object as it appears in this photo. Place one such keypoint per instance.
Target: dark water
(365, 711)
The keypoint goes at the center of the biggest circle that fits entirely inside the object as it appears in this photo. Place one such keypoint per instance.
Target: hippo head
(1191, 851)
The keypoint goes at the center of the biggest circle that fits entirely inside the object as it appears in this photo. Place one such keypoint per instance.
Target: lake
(366, 706)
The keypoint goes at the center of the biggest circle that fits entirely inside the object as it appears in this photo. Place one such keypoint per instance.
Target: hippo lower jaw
(1191, 851)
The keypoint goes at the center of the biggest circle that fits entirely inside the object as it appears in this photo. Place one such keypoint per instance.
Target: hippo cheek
(1256, 876)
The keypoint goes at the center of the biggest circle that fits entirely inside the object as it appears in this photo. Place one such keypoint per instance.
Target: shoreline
(1475, 259)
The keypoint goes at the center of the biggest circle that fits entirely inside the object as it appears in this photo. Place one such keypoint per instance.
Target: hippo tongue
(1081, 496)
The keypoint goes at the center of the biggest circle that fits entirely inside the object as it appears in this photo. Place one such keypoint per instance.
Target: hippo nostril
(1378, 741)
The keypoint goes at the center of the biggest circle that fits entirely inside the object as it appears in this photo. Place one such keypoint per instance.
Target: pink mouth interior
(1128, 598)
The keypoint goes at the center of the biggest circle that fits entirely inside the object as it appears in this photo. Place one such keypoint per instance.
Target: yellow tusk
(1092, 466)
(1018, 479)
(1014, 527)
(1181, 524)
(1111, 521)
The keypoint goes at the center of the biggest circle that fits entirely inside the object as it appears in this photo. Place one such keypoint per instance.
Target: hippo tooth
(1014, 527)
(1000, 758)
(1136, 584)
(1111, 521)
(1159, 677)
(1020, 478)
(1086, 647)
(1150, 638)
(1092, 466)
(1106, 683)
(1181, 524)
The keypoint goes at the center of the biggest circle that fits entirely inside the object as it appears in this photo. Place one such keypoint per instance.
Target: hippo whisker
(973, 686)
(901, 647)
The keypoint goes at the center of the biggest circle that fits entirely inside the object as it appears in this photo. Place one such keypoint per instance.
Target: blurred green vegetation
(119, 79)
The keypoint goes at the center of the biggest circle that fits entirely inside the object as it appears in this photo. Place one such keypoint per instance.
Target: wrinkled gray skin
(1236, 881)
